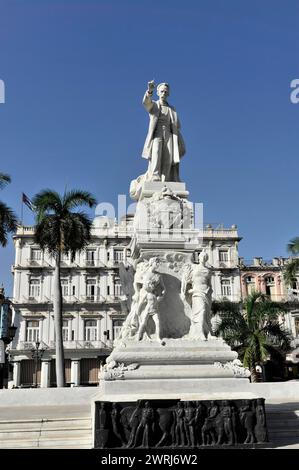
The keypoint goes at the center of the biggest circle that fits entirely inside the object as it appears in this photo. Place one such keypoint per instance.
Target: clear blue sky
(75, 72)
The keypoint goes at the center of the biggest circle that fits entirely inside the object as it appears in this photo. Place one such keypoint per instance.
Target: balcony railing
(70, 298)
(225, 264)
(92, 298)
(82, 345)
(29, 345)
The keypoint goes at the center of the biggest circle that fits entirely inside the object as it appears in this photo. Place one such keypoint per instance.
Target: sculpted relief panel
(175, 423)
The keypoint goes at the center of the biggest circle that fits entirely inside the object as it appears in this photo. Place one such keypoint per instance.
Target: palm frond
(4, 180)
(76, 198)
(232, 327)
(225, 306)
(250, 304)
(293, 246)
(277, 335)
(291, 270)
(8, 223)
(267, 310)
(46, 202)
(48, 234)
(59, 230)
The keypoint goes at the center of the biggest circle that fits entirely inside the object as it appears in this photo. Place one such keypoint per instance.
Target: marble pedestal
(174, 368)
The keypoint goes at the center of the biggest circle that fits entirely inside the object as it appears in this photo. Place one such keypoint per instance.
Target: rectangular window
(90, 330)
(65, 330)
(297, 326)
(36, 254)
(65, 287)
(223, 255)
(90, 257)
(117, 289)
(91, 288)
(118, 256)
(34, 288)
(117, 325)
(226, 289)
(32, 331)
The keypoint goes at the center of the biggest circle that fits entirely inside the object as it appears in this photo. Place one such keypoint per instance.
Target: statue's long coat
(153, 107)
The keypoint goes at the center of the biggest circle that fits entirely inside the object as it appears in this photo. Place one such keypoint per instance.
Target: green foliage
(252, 328)
(59, 228)
(8, 219)
(291, 270)
(293, 246)
(4, 180)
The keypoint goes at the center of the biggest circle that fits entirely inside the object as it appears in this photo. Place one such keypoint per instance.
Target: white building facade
(94, 306)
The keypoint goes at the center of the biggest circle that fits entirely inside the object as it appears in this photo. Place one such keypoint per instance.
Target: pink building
(263, 276)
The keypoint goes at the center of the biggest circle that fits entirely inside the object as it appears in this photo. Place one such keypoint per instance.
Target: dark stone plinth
(180, 424)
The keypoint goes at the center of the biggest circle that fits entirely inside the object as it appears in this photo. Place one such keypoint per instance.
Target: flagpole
(22, 205)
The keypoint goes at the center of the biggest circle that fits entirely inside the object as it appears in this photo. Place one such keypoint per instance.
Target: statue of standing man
(164, 145)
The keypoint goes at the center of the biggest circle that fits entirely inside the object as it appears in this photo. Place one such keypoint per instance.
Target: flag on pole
(26, 200)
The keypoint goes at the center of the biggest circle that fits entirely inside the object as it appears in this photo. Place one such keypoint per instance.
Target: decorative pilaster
(45, 373)
(75, 372)
(17, 373)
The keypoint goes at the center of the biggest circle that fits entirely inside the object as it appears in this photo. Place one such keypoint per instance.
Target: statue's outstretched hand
(151, 86)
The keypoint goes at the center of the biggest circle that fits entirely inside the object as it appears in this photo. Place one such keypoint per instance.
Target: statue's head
(163, 90)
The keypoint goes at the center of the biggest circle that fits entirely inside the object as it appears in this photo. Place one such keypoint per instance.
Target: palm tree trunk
(60, 378)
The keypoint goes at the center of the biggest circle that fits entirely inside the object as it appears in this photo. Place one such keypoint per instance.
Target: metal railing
(29, 345)
(77, 344)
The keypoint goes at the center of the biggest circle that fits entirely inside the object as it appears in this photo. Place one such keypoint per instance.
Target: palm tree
(252, 329)
(292, 267)
(8, 220)
(60, 229)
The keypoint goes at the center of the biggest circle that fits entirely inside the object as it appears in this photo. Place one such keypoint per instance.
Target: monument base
(173, 423)
(182, 389)
(176, 368)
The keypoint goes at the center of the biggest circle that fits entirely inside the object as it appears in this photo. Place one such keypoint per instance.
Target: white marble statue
(149, 289)
(131, 324)
(151, 294)
(197, 291)
(164, 145)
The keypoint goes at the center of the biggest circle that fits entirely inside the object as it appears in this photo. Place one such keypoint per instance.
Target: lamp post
(36, 354)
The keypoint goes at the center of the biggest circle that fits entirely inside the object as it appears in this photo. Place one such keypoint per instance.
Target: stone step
(73, 433)
(46, 443)
(60, 433)
(83, 443)
(42, 425)
(283, 425)
(284, 433)
(45, 420)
